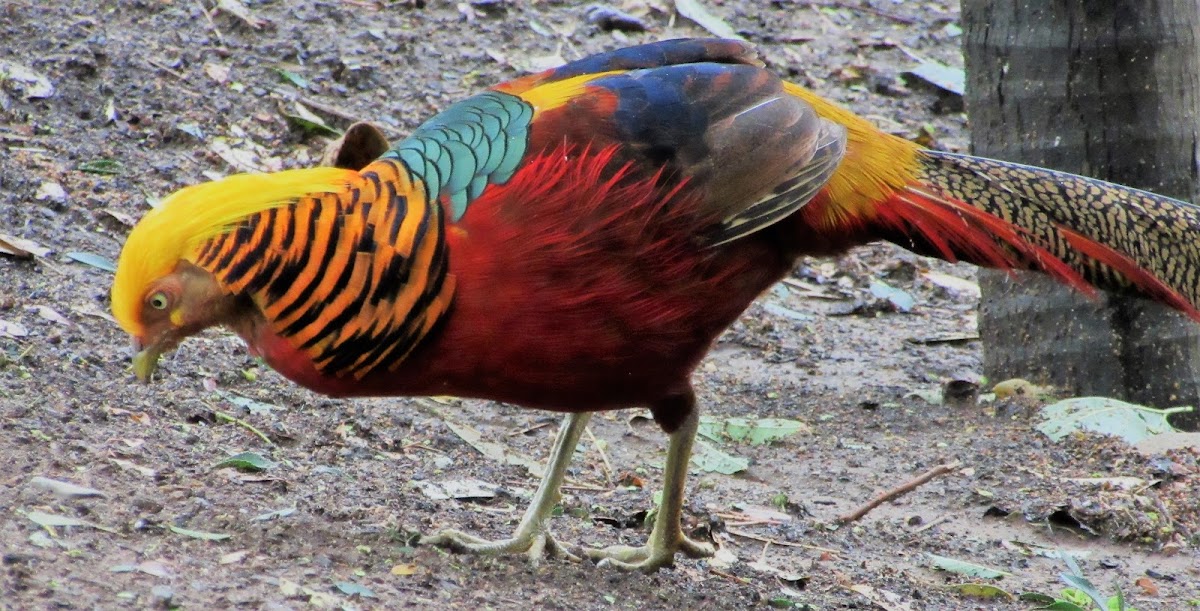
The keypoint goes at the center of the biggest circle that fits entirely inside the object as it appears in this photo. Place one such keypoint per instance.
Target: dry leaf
(233, 557)
(21, 248)
(696, 12)
(217, 72)
(50, 314)
(404, 570)
(12, 330)
(239, 10)
(51, 191)
(1147, 585)
(121, 217)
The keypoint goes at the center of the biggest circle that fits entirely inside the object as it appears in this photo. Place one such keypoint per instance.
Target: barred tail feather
(1084, 232)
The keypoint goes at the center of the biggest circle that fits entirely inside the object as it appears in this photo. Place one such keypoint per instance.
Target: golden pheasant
(576, 239)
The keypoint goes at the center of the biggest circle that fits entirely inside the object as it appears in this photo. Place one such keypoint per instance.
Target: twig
(608, 472)
(729, 576)
(761, 539)
(161, 66)
(529, 429)
(898, 492)
(211, 24)
(242, 423)
(932, 523)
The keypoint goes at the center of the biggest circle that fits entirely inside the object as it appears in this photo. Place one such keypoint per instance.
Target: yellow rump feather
(547, 96)
(184, 220)
(876, 164)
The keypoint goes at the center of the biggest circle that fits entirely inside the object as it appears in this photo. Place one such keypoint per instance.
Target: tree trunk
(1110, 90)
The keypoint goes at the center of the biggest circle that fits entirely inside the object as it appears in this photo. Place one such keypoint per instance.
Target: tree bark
(1105, 89)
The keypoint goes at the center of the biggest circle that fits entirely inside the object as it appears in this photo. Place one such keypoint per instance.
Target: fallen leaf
(246, 461)
(350, 588)
(888, 601)
(980, 590)
(900, 299)
(1127, 421)
(946, 78)
(93, 260)
(199, 534)
(51, 191)
(456, 489)
(1149, 588)
(34, 85)
(50, 521)
(12, 330)
(750, 430)
(120, 217)
(404, 570)
(66, 489)
(953, 283)
(756, 512)
(962, 567)
(129, 465)
(110, 167)
(238, 9)
(217, 72)
(50, 314)
(494, 451)
(274, 515)
(21, 248)
(697, 13)
(710, 459)
(233, 557)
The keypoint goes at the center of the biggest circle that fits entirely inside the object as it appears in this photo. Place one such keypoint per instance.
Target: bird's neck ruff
(180, 223)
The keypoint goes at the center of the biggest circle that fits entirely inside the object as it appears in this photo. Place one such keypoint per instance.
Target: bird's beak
(145, 359)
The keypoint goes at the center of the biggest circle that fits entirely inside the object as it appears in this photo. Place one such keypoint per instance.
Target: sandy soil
(153, 95)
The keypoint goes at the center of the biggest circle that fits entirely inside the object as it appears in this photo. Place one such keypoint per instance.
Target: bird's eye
(158, 301)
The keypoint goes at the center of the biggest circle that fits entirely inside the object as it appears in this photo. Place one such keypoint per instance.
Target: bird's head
(159, 296)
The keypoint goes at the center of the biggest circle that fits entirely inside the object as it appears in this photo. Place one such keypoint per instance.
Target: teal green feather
(477, 142)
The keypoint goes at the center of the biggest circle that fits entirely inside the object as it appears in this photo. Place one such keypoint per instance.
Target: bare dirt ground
(152, 95)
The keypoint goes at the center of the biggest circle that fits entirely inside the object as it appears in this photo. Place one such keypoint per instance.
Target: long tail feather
(1085, 232)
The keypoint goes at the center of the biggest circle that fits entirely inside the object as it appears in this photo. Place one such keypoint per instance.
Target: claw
(658, 552)
(534, 544)
(532, 536)
(667, 538)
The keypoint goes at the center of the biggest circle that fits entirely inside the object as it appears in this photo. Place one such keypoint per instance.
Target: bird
(574, 240)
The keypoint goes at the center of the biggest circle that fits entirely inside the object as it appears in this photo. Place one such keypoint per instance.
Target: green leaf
(251, 405)
(1105, 416)
(969, 569)
(1036, 597)
(900, 299)
(308, 121)
(710, 459)
(1063, 605)
(981, 590)
(350, 588)
(94, 260)
(102, 166)
(274, 515)
(1085, 587)
(292, 78)
(199, 534)
(753, 431)
(49, 521)
(246, 461)
(942, 76)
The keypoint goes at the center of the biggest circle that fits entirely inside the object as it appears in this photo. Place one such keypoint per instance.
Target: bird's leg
(532, 536)
(667, 536)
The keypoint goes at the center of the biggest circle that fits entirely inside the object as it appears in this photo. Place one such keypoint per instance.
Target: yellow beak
(146, 360)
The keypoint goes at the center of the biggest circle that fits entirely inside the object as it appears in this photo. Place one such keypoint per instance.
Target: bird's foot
(658, 552)
(533, 542)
